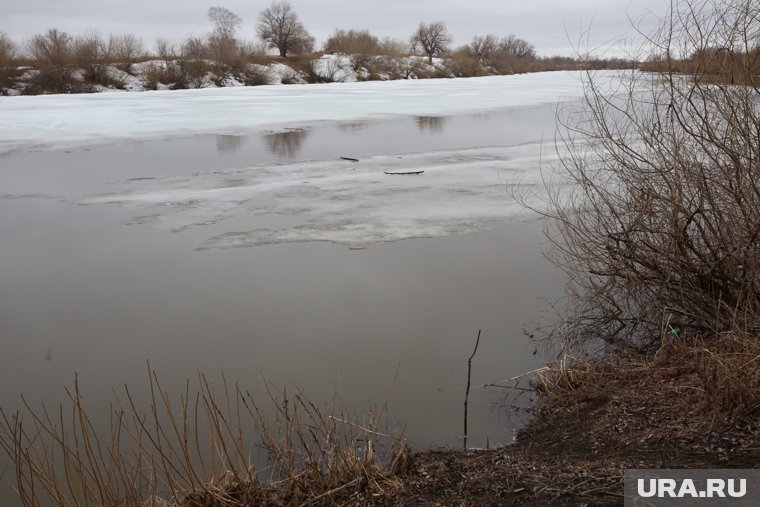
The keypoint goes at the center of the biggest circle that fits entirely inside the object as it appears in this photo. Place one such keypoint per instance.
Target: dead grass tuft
(214, 446)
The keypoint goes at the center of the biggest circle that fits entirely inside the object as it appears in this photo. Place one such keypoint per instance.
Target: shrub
(8, 65)
(93, 55)
(462, 63)
(126, 49)
(660, 232)
(352, 42)
(393, 48)
(51, 55)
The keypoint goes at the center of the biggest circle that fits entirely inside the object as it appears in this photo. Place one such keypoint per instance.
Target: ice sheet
(350, 203)
(64, 121)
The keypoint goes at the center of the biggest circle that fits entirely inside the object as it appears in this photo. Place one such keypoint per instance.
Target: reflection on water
(433, 124)
(353, 127)
(227, 143)
(286, 144)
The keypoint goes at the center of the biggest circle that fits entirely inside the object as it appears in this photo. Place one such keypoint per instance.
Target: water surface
(96, 286)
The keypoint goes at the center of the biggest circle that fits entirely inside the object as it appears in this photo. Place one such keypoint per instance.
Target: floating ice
(355, 204)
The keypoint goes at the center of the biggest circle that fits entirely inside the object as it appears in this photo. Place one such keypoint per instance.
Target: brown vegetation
(51, 52)
(507, 55)
(56, 62)
(353, 42)
(209, 447)
(8, 70)
(659, 233)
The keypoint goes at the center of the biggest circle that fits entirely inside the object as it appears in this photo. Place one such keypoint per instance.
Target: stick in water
(467, 391)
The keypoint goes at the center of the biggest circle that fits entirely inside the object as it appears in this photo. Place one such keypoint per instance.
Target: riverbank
(690, 404)
(173, 73)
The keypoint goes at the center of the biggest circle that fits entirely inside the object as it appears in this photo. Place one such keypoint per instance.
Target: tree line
(55, 54)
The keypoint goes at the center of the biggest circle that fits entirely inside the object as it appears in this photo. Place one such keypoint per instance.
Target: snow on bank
(65, 121)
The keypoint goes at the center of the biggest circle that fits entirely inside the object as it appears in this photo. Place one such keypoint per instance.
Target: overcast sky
(550, 25)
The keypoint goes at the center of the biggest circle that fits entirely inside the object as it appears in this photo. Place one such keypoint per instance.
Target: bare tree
(516, 47)
(433, 39)
(226, 22)
(126, 48)
(7, 48)
(222, 43)
(280, 28)
(484, 46)
(659, 231)
(166, 49)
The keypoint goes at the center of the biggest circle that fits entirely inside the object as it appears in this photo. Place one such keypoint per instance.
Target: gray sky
(549, 24)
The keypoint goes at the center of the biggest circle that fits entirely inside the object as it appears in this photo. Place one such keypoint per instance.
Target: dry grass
(210, 447)
(693, 401)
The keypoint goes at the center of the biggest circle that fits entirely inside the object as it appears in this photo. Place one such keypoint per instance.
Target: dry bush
(352, 42)
(729, 374)
(176, 74)
(93, 55)
(8, 65)
(409, 67)
(170, 73)
(51, 55)
(505, 62)
(251, 52)
(390, 62)
(507, 55)
(202, 449)
(360, 45)
(167, 50)
(720, 374)
(193, 48)
(257, 77)
(462, 63)
(394, 48)
(662, 222)
(126, 49)
(182, 67)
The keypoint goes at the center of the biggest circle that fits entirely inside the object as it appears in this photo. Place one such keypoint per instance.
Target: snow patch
(66, 121)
